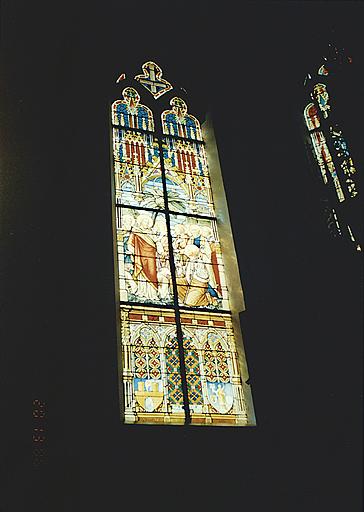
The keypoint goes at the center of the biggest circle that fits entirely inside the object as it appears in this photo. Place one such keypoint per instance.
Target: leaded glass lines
(153, 366)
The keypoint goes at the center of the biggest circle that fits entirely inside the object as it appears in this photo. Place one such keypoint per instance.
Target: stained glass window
(180, 358)
(330, 149)
(321, 150)
(323, 156)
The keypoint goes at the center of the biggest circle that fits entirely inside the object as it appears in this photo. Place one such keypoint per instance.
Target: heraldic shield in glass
(181, 354)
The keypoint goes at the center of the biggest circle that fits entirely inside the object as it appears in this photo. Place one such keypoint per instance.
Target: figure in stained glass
(144, 258)
(163, 270)
(197, 266)
(144, 250)
(192, 286)
(208, 251)
(220, 396)
(128, 270)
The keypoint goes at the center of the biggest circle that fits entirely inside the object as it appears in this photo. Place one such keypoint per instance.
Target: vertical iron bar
(159, 134)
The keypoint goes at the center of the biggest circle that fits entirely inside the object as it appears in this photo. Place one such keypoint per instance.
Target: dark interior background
(303, 323)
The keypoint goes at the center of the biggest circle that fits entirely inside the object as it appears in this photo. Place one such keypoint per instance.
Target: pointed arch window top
(130, 114)
(152, 79)
(178, 122)
(131, 99)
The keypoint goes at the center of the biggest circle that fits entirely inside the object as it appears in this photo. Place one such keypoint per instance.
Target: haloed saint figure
(143, 243)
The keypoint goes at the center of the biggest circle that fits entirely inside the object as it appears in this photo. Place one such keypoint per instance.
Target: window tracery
(332, 154)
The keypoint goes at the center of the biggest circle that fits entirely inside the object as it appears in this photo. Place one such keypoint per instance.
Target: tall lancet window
(321, 150)
(181, 358)
(340, 189)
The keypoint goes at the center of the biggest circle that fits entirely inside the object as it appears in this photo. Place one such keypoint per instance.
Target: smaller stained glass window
(143, 255)
(311, 117)
(198, 260)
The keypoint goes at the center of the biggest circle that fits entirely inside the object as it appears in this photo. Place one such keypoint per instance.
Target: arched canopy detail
(130, 114)
(179, 123)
